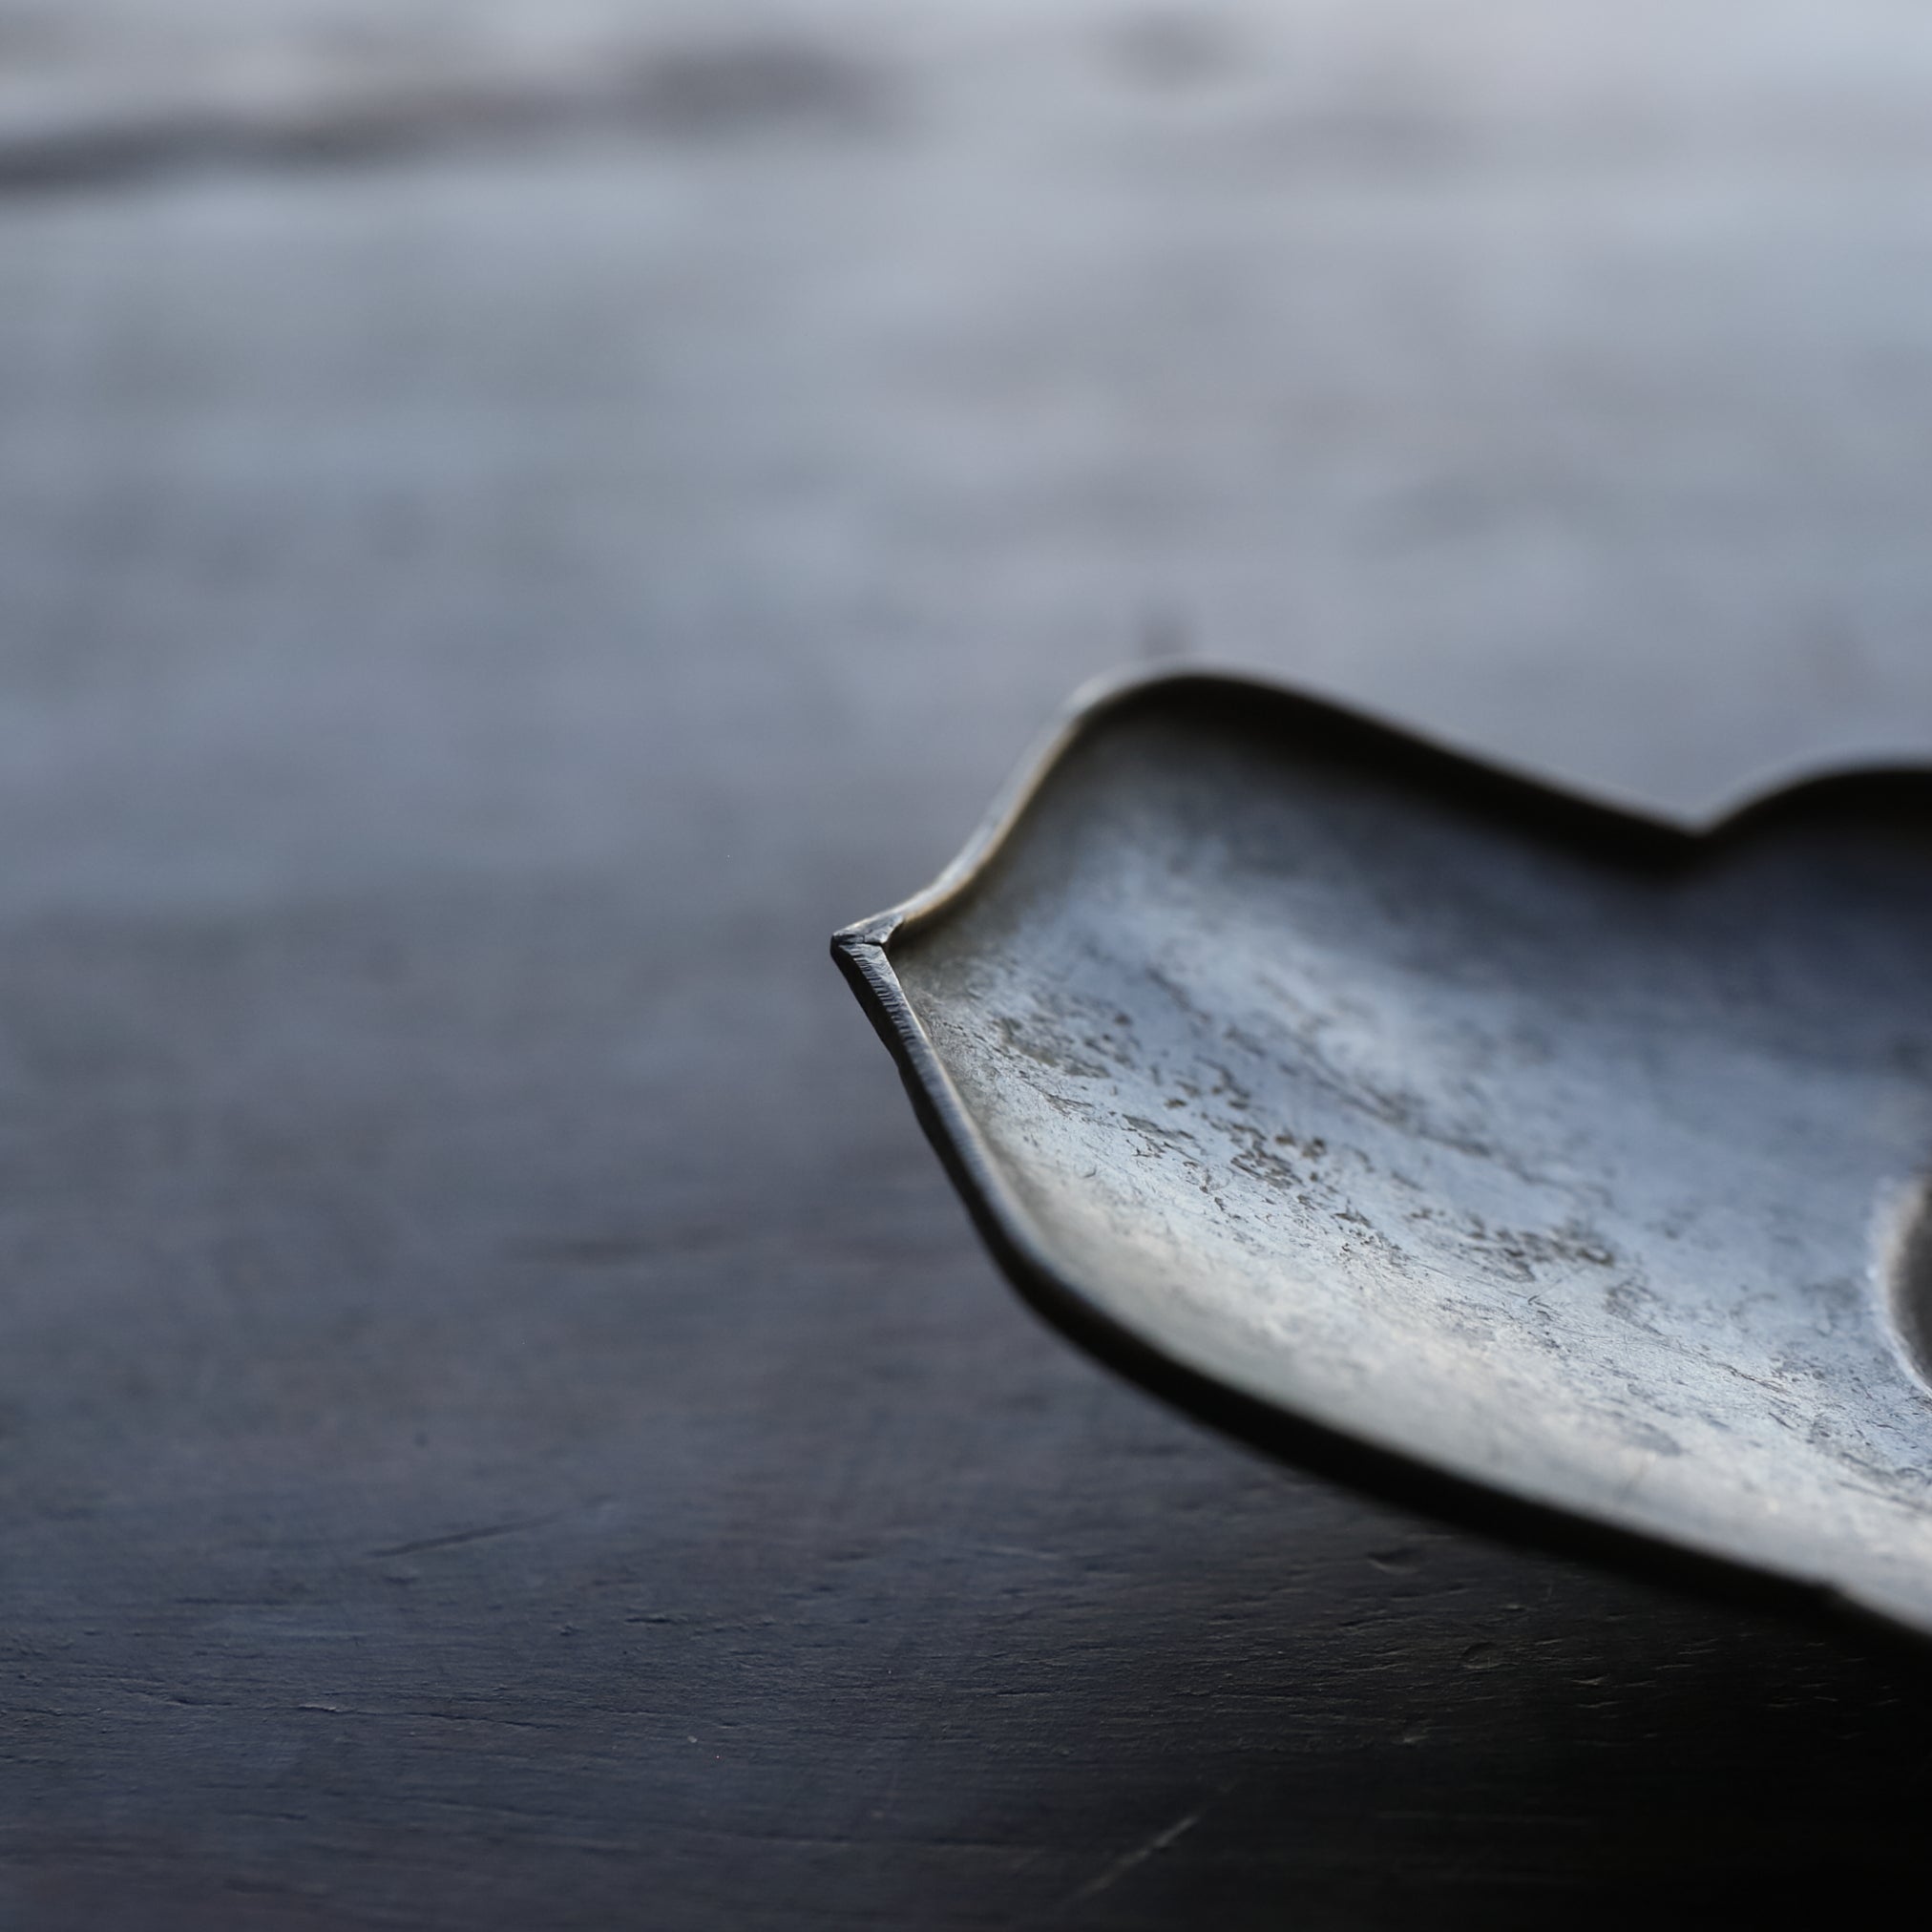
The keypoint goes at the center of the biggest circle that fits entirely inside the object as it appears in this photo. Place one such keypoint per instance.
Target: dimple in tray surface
(1475, 1141)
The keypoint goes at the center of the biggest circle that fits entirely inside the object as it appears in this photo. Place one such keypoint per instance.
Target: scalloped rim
(861, 952)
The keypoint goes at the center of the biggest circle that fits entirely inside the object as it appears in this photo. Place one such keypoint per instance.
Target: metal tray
(1548, 1165)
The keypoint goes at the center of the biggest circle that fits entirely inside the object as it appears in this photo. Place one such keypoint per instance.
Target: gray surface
(1600, 449)
(504, 1422)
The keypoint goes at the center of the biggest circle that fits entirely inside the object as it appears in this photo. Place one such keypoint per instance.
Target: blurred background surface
(517, 518)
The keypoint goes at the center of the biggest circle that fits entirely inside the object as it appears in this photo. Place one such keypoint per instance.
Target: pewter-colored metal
(1438, 1127)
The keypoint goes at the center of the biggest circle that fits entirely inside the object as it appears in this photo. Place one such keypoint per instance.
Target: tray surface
(1442, 1128)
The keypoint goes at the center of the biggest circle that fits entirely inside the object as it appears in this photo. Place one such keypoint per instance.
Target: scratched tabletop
(517, 519)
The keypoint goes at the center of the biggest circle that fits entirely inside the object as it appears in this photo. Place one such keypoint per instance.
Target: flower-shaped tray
(1555, 1168)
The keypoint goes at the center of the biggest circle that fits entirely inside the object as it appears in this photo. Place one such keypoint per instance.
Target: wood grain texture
(504, 1422)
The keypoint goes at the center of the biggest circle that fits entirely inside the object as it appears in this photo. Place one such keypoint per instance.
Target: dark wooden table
(505, 546)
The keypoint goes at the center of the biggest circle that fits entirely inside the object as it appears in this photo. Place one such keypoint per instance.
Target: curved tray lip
(861, 952)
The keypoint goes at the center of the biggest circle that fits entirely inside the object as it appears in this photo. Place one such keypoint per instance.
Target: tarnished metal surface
(1573, 1156)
